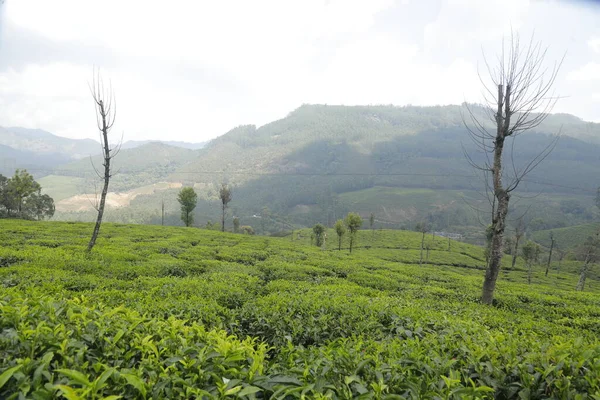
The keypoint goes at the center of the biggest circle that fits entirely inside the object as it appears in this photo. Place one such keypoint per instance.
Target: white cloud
(192, 70)
(588, 72)
(594, 44)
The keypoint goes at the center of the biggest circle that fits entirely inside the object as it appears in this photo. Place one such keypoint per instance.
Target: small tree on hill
(20, 187)
(225, 196)
(588, 253)
(247, 230)
(422, 227)
(530, 253)
(236, 225)
(550, 255)
(519, 232)
(372, 224)
(21, 197)
(187, 198)
(353, 223)
(340, 230)
(319, 232)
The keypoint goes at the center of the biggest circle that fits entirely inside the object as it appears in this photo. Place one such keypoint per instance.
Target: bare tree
(225, 196)
(550, 255)
(590, 253)
(422, 227)
(518, 98)
(519, 232)
(105, 106)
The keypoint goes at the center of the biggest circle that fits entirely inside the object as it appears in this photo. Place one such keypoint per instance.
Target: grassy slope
(321, 311)
(567, 238)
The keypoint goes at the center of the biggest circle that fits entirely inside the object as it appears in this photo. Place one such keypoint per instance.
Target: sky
(193, 70)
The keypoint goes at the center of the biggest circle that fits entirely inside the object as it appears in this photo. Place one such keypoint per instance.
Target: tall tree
(225, 196)
(236, 225)
(518, 99)
(340, 230)
(372, 224)
(353, 223)
(187, 198)
(105, 107)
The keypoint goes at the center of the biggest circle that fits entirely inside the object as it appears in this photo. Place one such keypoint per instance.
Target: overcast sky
(192, 70)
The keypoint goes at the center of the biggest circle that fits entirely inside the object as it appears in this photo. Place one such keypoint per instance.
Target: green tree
(225, 196)
(187, 199)
(20, 187)
(39, 206)
(247, 230)
(236, 225)
(530, 253)
(6, 200)
(340, 230)
(319, 232)
(353, 223)
(372, 224)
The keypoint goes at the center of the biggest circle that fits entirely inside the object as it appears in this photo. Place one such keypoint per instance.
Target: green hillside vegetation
(567, 238)
(166, 312)
(405, 164)
(139, 166)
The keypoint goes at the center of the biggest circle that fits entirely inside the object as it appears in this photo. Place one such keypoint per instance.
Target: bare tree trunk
(103, 115)
(582, 276)
(502, 197)
(223, 219)
(516, 252)
(550, 255)
(422, 243)
(519, 100)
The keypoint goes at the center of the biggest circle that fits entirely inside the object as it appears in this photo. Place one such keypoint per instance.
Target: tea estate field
(164, 312)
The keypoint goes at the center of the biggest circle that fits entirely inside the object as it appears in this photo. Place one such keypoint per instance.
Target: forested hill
(401, 163)
(321, 161)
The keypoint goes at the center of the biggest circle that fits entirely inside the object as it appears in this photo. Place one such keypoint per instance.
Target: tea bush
(164, 312)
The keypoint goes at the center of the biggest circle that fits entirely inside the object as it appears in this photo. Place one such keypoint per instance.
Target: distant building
(451, 235)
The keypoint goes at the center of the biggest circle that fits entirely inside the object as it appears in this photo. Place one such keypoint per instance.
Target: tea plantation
(165, 312)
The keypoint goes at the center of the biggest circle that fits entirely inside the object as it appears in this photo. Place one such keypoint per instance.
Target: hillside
(321, 161)
(138, 170)
(130, 144)
(174, 312)
(310, 165)
(567, 238)
(41, 142)
(38, 164)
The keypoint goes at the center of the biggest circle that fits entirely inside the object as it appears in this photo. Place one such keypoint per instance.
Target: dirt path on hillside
(83, 202)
